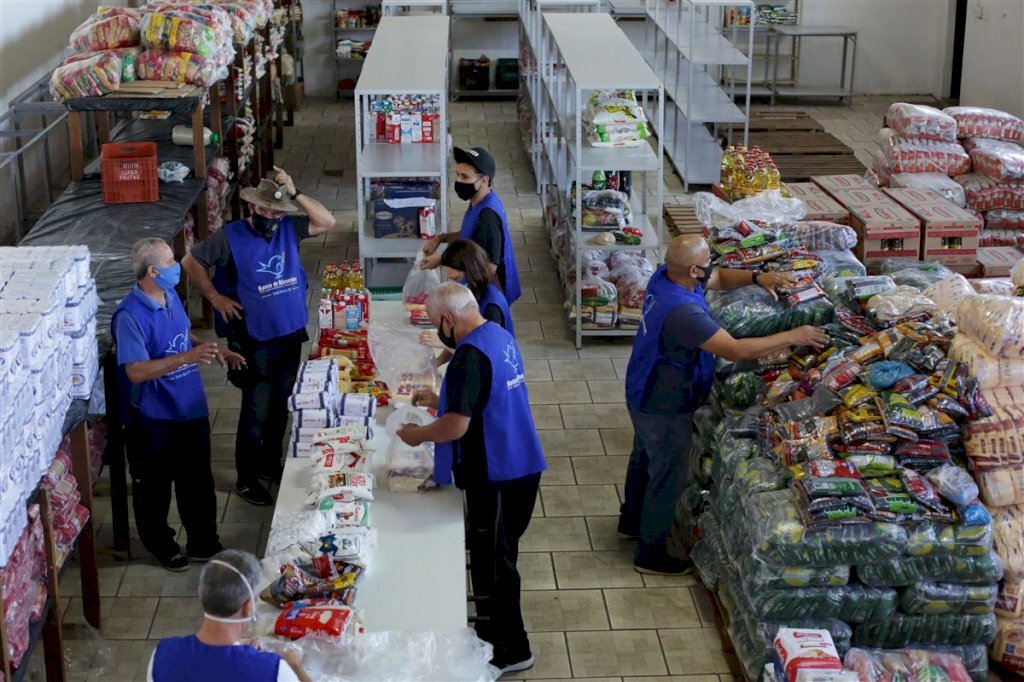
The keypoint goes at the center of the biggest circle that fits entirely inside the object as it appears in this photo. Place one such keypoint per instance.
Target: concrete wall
(993, 73)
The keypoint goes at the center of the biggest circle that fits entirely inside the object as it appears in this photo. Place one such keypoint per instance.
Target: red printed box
(851, 198)
(909, 196)
(885, 232)
(950, 234)
(825, 208)
(832, 183)
(805, 190)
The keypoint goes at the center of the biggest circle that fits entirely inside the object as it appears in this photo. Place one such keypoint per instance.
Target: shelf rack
(395, 8)
(486, 11)
(413, 61)
(762, 55)
(357, 33)
(688, 52)
(295, 45)
(581, 53)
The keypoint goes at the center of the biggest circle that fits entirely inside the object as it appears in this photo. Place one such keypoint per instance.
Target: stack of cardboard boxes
(950, 234)
(820, 206)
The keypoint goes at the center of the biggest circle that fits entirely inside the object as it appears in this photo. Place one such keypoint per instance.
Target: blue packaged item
(974, 514)
(397, 214)
(885, 373)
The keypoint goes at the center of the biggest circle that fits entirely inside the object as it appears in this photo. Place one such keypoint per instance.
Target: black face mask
(265, 226)
(465, 190)
(447, 339)
(706, 277)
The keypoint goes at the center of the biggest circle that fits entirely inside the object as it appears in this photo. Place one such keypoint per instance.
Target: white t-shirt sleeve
(285, 672)
(149, 670)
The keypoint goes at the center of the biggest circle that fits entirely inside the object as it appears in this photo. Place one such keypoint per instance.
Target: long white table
(417, 578)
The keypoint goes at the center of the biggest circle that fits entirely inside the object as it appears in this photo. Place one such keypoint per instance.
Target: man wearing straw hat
(259, 293)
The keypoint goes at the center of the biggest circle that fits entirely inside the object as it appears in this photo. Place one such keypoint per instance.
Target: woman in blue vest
(669, 375)
(485, 436)
(259, 293)
(465, 262)
(484, 223)
(227, 595)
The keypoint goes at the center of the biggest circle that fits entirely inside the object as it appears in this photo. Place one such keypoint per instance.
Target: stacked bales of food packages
(344, 315)
(23, 582)
(615, 119)
(68, 515)
(845, 465)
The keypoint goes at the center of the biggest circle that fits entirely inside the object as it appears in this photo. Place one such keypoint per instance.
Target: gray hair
(451, 297)
(144, 255)
(221, 591)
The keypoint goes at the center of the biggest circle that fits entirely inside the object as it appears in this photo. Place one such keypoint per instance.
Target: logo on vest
(179, 344)
(275, 266)
(648, 305)
(512, 360)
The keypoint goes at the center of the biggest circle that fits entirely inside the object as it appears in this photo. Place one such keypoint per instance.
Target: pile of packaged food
(615, 119)
(68, 516)
(23, 578)
(746, 172)
(404, 119)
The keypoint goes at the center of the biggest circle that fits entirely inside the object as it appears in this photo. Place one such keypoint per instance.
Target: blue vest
(186, 659)
(271, 281)
(179, 394)
(510, 438)
(493, 296)
(512, 288)
(664, 296)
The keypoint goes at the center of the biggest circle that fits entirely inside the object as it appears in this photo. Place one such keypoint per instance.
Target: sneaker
(176, 563)
(271, 477)
(255, 494)
(506, 667)
(663, 566)
(204, 555)
(628, 531)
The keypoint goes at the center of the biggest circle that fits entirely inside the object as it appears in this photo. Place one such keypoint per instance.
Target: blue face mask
(169, 276)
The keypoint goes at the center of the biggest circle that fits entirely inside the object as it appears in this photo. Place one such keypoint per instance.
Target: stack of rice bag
(68, 514)
(919, 140)
(615, 119)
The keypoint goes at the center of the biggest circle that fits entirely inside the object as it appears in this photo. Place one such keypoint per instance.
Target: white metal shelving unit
(347, 65)
(392, 8)
(577, 54)
(412, 60)
(687, 50)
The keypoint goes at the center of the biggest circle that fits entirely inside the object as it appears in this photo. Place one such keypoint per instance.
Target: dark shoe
(514, 665)
(205, 554)
(628, 531)
(663, 566)
(271, 477)
(254, 494)
(177, 562)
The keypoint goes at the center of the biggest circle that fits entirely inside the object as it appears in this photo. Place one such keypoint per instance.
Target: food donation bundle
(615, 119)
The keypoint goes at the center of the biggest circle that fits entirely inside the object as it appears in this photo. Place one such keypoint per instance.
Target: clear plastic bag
(949, 293)
(90, 77)
(922, 156)
(902, 629)
(851, 603)
(907, 570)
(941, 183)
(751, 311)
(939, 598)
(408, 468)
(418, 285)
(919, 664)
(996, 323)
(1017, 277)
(184, 31)
(109, 28)
(998, 159)
(840, 263)
(990, 370)
(917, 121)
(768, 206)
(401, 360)
(179, 67)
(955, 484)
(985, 194)
(1003, 219)
(897, 304)
(915, 273)
(604, 209)
(982, 122)
(818, 234)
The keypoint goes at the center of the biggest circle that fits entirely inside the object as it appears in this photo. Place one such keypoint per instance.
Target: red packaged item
(842, 375)
(334, 620)
(982, 122)
(799, 649)
(922, 156)
(1000, 160)
(985, 194)
(917, 121)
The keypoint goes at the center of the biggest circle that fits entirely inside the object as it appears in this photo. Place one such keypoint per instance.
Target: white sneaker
(516, 666)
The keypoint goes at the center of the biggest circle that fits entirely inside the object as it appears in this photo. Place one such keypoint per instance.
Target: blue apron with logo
(510, 438)
(664, 296)
(178, 394)
(186, 658)
(512, 288)
(271, 281)
(493, 296)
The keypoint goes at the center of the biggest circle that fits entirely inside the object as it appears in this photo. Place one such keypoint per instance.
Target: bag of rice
(998, 159)
(996, 323)
(982, 122)
(917, 121)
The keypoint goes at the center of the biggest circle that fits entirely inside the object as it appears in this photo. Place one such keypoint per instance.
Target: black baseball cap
(478, 158)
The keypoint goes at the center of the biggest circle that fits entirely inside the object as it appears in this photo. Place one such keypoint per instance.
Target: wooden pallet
(783, 120)
(780, 143)
(800, 167)
(682, 220)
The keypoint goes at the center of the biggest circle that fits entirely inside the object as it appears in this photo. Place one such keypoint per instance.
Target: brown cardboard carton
(861, 197)
(825, 208)
(831, 183)
(804, 190)
(997, 261)
(885, 231)
(909, 196)
(950, 234)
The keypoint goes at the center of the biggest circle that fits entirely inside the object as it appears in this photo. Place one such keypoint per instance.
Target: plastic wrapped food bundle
(1003, 219)
(741, 389)
(1006, 649)
(917, 121)
(995, 447)
(615, 119)
(818, 234)
(880, 172)
(109, 28)
(998, 159)
(1008, 528)
(938, 598)
(842, 634)
(760, 475)
(185, 31)
(996, 323)
(904, 571)
(604, 209)
(91, 77)
(982, 122)
(897, 304)
(948, 294)
(751, 311)
(732, 451)
(948, 188)
(985, 194)
(922, 156)
(918, 274)
(903, 629)
(994, 285)
(919, 663)
(991, 371)
(853, 603)
(840, 263)
(762, 576)
(129, 57)
(179, 67)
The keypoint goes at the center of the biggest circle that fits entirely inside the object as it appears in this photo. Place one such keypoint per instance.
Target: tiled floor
(589, 614)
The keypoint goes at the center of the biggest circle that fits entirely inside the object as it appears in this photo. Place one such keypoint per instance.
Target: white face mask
(252, 595)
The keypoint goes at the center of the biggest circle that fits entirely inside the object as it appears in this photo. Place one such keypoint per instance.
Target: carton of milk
(803, 652)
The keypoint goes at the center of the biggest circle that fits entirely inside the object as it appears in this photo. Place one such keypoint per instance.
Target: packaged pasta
(922, 155)
(109, 28)
(949, 293)
(917, 121)
(938, 182)
(904, 629)
(996, 323)
(930, 597)
(985, 194)
(998, 159)
(1003, 219)
(179, 67)
(982, 122)
(991, 371)
(90, 77)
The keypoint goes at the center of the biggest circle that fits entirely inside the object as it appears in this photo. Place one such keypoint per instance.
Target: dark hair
(466, 256)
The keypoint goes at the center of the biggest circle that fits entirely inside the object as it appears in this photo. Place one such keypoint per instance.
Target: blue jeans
(659, 469)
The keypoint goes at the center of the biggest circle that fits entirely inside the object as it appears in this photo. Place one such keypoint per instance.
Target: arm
(725, 279)
(197, 274)
(147, 370)
(452, 426)
(724, 345)
(291, 661)
(321, 220)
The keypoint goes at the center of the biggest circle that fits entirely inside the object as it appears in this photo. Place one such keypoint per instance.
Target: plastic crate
(129, 173)
(507, 75)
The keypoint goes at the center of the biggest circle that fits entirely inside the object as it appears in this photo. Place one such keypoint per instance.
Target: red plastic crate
(129, 174)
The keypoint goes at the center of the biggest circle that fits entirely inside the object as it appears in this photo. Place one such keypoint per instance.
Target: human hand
(431, 246)
(229, 308)
(770, 280)
(431, 340)
(203, 354)
(430, 262)
(424, 397)
(409, 434)
(427, 485)
(815, 337)
(229, 359)
(284, 180)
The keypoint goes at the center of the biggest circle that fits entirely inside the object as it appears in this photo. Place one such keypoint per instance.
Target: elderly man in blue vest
(485, 435)
(669, 375)
(259, 293)
(164, 409)
(484, 223)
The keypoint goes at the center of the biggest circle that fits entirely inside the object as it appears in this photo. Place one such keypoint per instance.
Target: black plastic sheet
(179, 105)
(137, 130)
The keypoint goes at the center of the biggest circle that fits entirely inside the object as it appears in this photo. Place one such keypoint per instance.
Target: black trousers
(270, 376)
(497, 517)
(161, 452)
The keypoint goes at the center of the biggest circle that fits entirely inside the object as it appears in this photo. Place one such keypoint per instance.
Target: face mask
(265, 226)
(447, 339)
(706, 277)
(465, 190)
(252, 595)
(168, 277)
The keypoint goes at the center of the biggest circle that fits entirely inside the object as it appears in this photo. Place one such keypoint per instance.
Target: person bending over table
(669, 375)
(163, 407)
(259, 293)
(227, 595)
(484, 223)
(485, 436)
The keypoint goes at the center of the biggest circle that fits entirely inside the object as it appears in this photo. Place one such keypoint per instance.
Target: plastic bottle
(598, 181)
(182, 135)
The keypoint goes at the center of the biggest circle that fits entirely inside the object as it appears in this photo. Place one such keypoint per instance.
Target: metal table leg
(853, 64)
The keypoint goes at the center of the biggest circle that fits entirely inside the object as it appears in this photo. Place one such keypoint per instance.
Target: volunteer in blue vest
(259, 293)
(485, 436)
(484, 223)
(216, 653)
(164, 409)
(668, 376)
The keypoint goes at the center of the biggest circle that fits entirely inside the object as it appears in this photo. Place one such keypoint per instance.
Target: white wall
(33, 36)
(993, 73)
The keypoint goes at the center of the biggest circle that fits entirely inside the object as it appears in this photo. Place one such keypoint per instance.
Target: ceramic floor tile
(151, 580)
(582, 370)
(122, 661)
(110, 580)
(546, 416)
(590, 470)
(555, 535)
(537, 370)
(635, 652)
(559, 472)
(588, 679)
(176, 617)
(240, 511)
(581, 570)
(541, 312)
(617, 441)
(571, 442)
(646, 608)
(610, 391)
(123, 617)
(706, 607)
(536, 571)
(564, 610)
(558, 392)
(620, 367)
(674, 678)
(225, 421)
(604, 534)
(580, 500)
(551, 658)
(528, 329)
(694, 650)
(547, 349)
(671, 580)
(595, 416)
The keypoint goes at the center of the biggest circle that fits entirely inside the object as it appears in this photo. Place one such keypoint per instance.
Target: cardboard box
(997, 261)
(908, 196)
(950, 234)
(825, 208)
(804, 190)
(885, 232)
(832, 183)
(851, 198)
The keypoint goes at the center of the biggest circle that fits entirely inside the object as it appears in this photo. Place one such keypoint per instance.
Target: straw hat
(268, 194)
